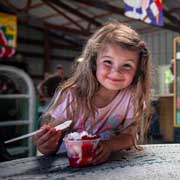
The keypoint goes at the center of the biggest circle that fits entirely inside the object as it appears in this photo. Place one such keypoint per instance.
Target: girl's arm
(106, 147)
(122, 141)
(125, 139)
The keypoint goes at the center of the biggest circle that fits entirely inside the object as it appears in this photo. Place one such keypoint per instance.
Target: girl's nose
(117, 69)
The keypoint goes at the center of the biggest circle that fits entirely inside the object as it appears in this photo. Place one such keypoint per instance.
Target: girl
(107, 94)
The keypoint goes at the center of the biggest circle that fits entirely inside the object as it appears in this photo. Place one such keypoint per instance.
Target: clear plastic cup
(81, 152)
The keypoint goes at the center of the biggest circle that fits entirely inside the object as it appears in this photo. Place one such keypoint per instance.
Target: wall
(30, 46)
(160, 44)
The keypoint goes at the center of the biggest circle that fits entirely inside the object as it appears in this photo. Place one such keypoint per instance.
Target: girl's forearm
(122, 141)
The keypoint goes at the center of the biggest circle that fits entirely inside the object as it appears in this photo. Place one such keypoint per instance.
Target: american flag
(149, 11)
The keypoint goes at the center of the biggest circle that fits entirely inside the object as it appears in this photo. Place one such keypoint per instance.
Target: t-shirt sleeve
(64, 109)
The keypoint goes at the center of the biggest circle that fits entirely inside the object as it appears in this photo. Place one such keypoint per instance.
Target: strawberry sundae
(81, 148)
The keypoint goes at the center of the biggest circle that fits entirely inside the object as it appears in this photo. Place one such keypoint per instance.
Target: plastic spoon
(58, 127)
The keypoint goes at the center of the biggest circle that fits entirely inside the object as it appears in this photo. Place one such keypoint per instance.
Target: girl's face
(116, 67)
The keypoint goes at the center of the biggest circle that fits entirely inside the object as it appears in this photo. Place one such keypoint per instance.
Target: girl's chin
(114, 88)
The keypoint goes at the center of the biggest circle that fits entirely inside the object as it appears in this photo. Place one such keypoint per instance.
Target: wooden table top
(155, 162)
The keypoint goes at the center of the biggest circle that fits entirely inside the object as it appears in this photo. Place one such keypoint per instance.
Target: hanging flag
(149, 11)
(8, 35)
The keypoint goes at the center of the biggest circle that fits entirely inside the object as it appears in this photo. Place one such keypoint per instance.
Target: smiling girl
(107, 95)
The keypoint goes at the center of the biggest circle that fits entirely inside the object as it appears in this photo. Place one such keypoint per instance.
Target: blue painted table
(155, 162)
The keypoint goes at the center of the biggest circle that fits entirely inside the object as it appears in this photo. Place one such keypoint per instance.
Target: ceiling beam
(103, 6)
(170, 17)
(62, 13)
(67, 29)
(31, 24)
(41, 55)
(64, 46)
(32, 6)
(173, 10)
(53, 44)
(95, 16)
(48, 16)
(25, 8)
(52, 34)
(76, 12)
(171, 27)
(67, 39)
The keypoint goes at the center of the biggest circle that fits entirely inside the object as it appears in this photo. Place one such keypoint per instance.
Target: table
(155, 162)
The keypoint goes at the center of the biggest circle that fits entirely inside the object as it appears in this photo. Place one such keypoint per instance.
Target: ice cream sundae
(81, 148)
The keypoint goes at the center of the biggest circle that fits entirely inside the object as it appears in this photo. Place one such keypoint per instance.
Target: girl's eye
(127, 66)
(107, 62)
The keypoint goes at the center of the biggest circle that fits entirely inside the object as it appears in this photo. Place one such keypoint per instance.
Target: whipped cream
(78, 136)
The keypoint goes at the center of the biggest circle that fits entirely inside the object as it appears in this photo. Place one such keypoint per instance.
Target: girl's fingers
(46, 137)
(51, 143)
(54, 140)
(99, 154)
(99, 150)
(37, 137)
(102, 153)
(44, 129)
(100, 158)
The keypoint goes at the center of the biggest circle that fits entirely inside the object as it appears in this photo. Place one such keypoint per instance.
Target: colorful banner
(8, 35)
(149, 11)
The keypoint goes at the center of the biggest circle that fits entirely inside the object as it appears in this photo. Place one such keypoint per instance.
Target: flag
(8, 35)
(149, 11)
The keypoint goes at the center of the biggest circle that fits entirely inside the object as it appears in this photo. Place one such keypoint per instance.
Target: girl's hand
(103, 151)
(47, 140)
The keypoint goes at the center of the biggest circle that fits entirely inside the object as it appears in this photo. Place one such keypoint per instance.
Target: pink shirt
(113, 118)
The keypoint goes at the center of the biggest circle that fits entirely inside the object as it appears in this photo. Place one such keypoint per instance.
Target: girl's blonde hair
(84, 82)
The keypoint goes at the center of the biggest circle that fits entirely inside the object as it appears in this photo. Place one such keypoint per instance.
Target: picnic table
(154, 162)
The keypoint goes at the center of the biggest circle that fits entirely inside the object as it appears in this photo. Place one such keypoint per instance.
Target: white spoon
(58, 127)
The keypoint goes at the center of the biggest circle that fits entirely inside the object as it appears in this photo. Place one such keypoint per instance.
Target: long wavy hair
(84, 83)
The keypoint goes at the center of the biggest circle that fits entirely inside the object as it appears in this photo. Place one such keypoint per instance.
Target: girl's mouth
(115, 80)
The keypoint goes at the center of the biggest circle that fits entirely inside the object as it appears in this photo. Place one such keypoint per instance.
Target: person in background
(171, 85)
(48, 86)
(108, 94)
(172, 65)
(46, 75)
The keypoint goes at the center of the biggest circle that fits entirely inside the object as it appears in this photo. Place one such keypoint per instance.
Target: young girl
(107, 94)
